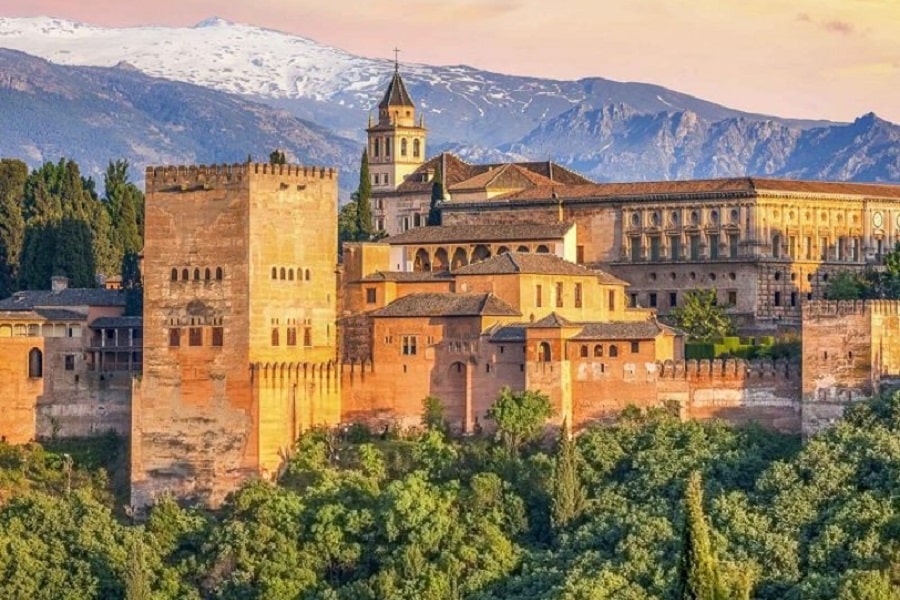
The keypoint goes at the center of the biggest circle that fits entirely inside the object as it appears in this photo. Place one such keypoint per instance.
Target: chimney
(58, 283)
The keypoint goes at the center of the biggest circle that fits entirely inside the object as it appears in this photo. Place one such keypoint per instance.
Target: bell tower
(396, 142)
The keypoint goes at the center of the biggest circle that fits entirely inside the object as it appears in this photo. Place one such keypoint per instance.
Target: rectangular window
(70, 362)
(635, 249)
(842, 249)
(793, 298)
(714, 245)
(809, 248)
(579, 254)
(633, 303)
(777, 299)
(695, 247)
(612, 300)
(276, 341)
(652, 299)
(408, 345)
(307, 336)
(174, 337)
(635, 347)
(371, 294)
(195, 336)
(776, 246)
(675, 247)
(291, 336)
(732, 298)
(538, 293)
(559, 294)
(218, 336)
(673, 299)
(855, 249)
(824, 246)
(654, 247)
(578, 299)
(733, 241)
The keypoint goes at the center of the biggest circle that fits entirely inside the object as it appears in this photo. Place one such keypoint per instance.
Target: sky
(815, 59)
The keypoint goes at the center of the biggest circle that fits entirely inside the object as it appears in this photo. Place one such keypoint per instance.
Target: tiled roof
(619, 331)
(117, 323)
(553, 321)
(512, 332)
(742, 186)
(396, 94)
(446, 305)
(411, 276)
(29, 299)
(512, 232)
(455, 171)
(524, 262)
(509, 175)
(43, 314)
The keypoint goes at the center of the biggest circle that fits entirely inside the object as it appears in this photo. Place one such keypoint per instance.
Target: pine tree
(13, 174)
(567, 497)
(697, 569)
(437, 195)
(137, 577)
(364, 225)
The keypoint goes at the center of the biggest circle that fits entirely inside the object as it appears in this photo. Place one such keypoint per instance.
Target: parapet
(834, 308)
(192, 177)
(728, 369)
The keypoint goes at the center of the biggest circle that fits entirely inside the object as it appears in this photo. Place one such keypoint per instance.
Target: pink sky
(834, 59)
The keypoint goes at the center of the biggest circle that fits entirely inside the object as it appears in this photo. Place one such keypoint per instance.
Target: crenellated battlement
(728, 368)
(293, 371)
(210, 176)
(842, 308)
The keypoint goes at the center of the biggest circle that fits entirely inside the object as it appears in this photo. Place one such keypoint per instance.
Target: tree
(700, 317)
(137, 578)
(13, 174)
(847, 285)
(696, 569)
(567, 496)
(277, 157)
(364, 225)
(347, 228)
(437, 195)
(125, 205)
(433, 414)
(132, 283)
(519, 416)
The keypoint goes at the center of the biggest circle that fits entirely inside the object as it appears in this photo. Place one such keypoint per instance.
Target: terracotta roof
(396, 94)
(742, 186)
(29, 299)
(513, 332)
(642, 330)
(43, 314)
(446, 305)
(511, 232)
(509, 175)
(406, 276)
(524, 262)
(553, 321)
(117, 323)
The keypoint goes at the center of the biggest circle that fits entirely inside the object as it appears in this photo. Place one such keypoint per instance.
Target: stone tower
(396, 143)
(239, 325)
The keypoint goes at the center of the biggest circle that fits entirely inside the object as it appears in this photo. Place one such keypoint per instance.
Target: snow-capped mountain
(606, 129)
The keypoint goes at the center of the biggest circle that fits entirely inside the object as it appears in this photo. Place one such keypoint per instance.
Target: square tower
(239, 325)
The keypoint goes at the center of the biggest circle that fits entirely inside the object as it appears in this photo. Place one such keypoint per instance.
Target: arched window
(274, 273)
(184, 275)
(275, 339)
(387, 147)
(283, 274)
(542, 249)
(522, 249)
(613, 351)
(403, 147)
(376, 147)
(416, 148)
(35, 363)
(584, 351)
(598, 350)
(196, 274)
(544, 352)
(218, 273)
(207, 275)
(290, 274)
(307, 275)
(174, 274)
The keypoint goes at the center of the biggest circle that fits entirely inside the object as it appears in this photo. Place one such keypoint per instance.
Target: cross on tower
(396, 59)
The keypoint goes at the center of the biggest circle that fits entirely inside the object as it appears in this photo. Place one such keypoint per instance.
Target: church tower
(396, 143)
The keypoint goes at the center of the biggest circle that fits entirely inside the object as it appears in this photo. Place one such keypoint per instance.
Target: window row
(292, 336)
(585, 351)
(717, 246)
(674, 218)
(846, 249)
(197, 336)
(207, 274)
(287, 274)
(383, 145)
(559, 295)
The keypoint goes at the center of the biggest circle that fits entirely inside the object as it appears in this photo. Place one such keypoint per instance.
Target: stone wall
(20, 392)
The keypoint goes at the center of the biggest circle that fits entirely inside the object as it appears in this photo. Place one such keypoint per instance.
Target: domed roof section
(396, 94)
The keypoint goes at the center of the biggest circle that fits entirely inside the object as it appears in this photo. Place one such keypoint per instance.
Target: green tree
(846, 285)
(277, 157)
(701, 317)
(13, 174)
(697, 579)
(437, 196)
(365, 227)
(132, 283)
(124, 203)
(347, 227)
(137, 576)
(520, 416)
(433, 414)
(567, 497)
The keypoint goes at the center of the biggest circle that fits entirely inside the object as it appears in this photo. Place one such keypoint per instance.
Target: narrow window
(613, 351)
(283, 274)
(70, 362)
(598, 351)
(408, 346)
(714, 245)
(635, 249)
(544, 354)
(559, 294)
(274, 273)
(732, 298)
(776, 246)
(654, 247)
(403, 147)
(652, 299)
(174, 274)
(777, 298)
(195, 336)
(291, 336)
(196, 274)
(733, 242)
(695, 247)
(578, 299)
(584, 351)
(538, 296)
(207, 275)
(612, 300)
(275, 340)
(35, 363)
(184, 275)
(416, 148)
(290, 274)
(307, 336)
(218, 273)
(635, 347)
(218, 336)
(673, 299)
(371, 295)
(174, 337)
(306, 275)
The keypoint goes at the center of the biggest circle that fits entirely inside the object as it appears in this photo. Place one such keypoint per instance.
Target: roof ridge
(515, 264)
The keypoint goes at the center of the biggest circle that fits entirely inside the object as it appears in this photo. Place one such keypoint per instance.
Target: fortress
(538, 279)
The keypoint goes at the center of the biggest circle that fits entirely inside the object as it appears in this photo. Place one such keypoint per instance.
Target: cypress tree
(697, 568)
(364, 226)
(567, 496)
(13, 174)
(437, 195)
(277, 157)
(137, 578)
(132, 284)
